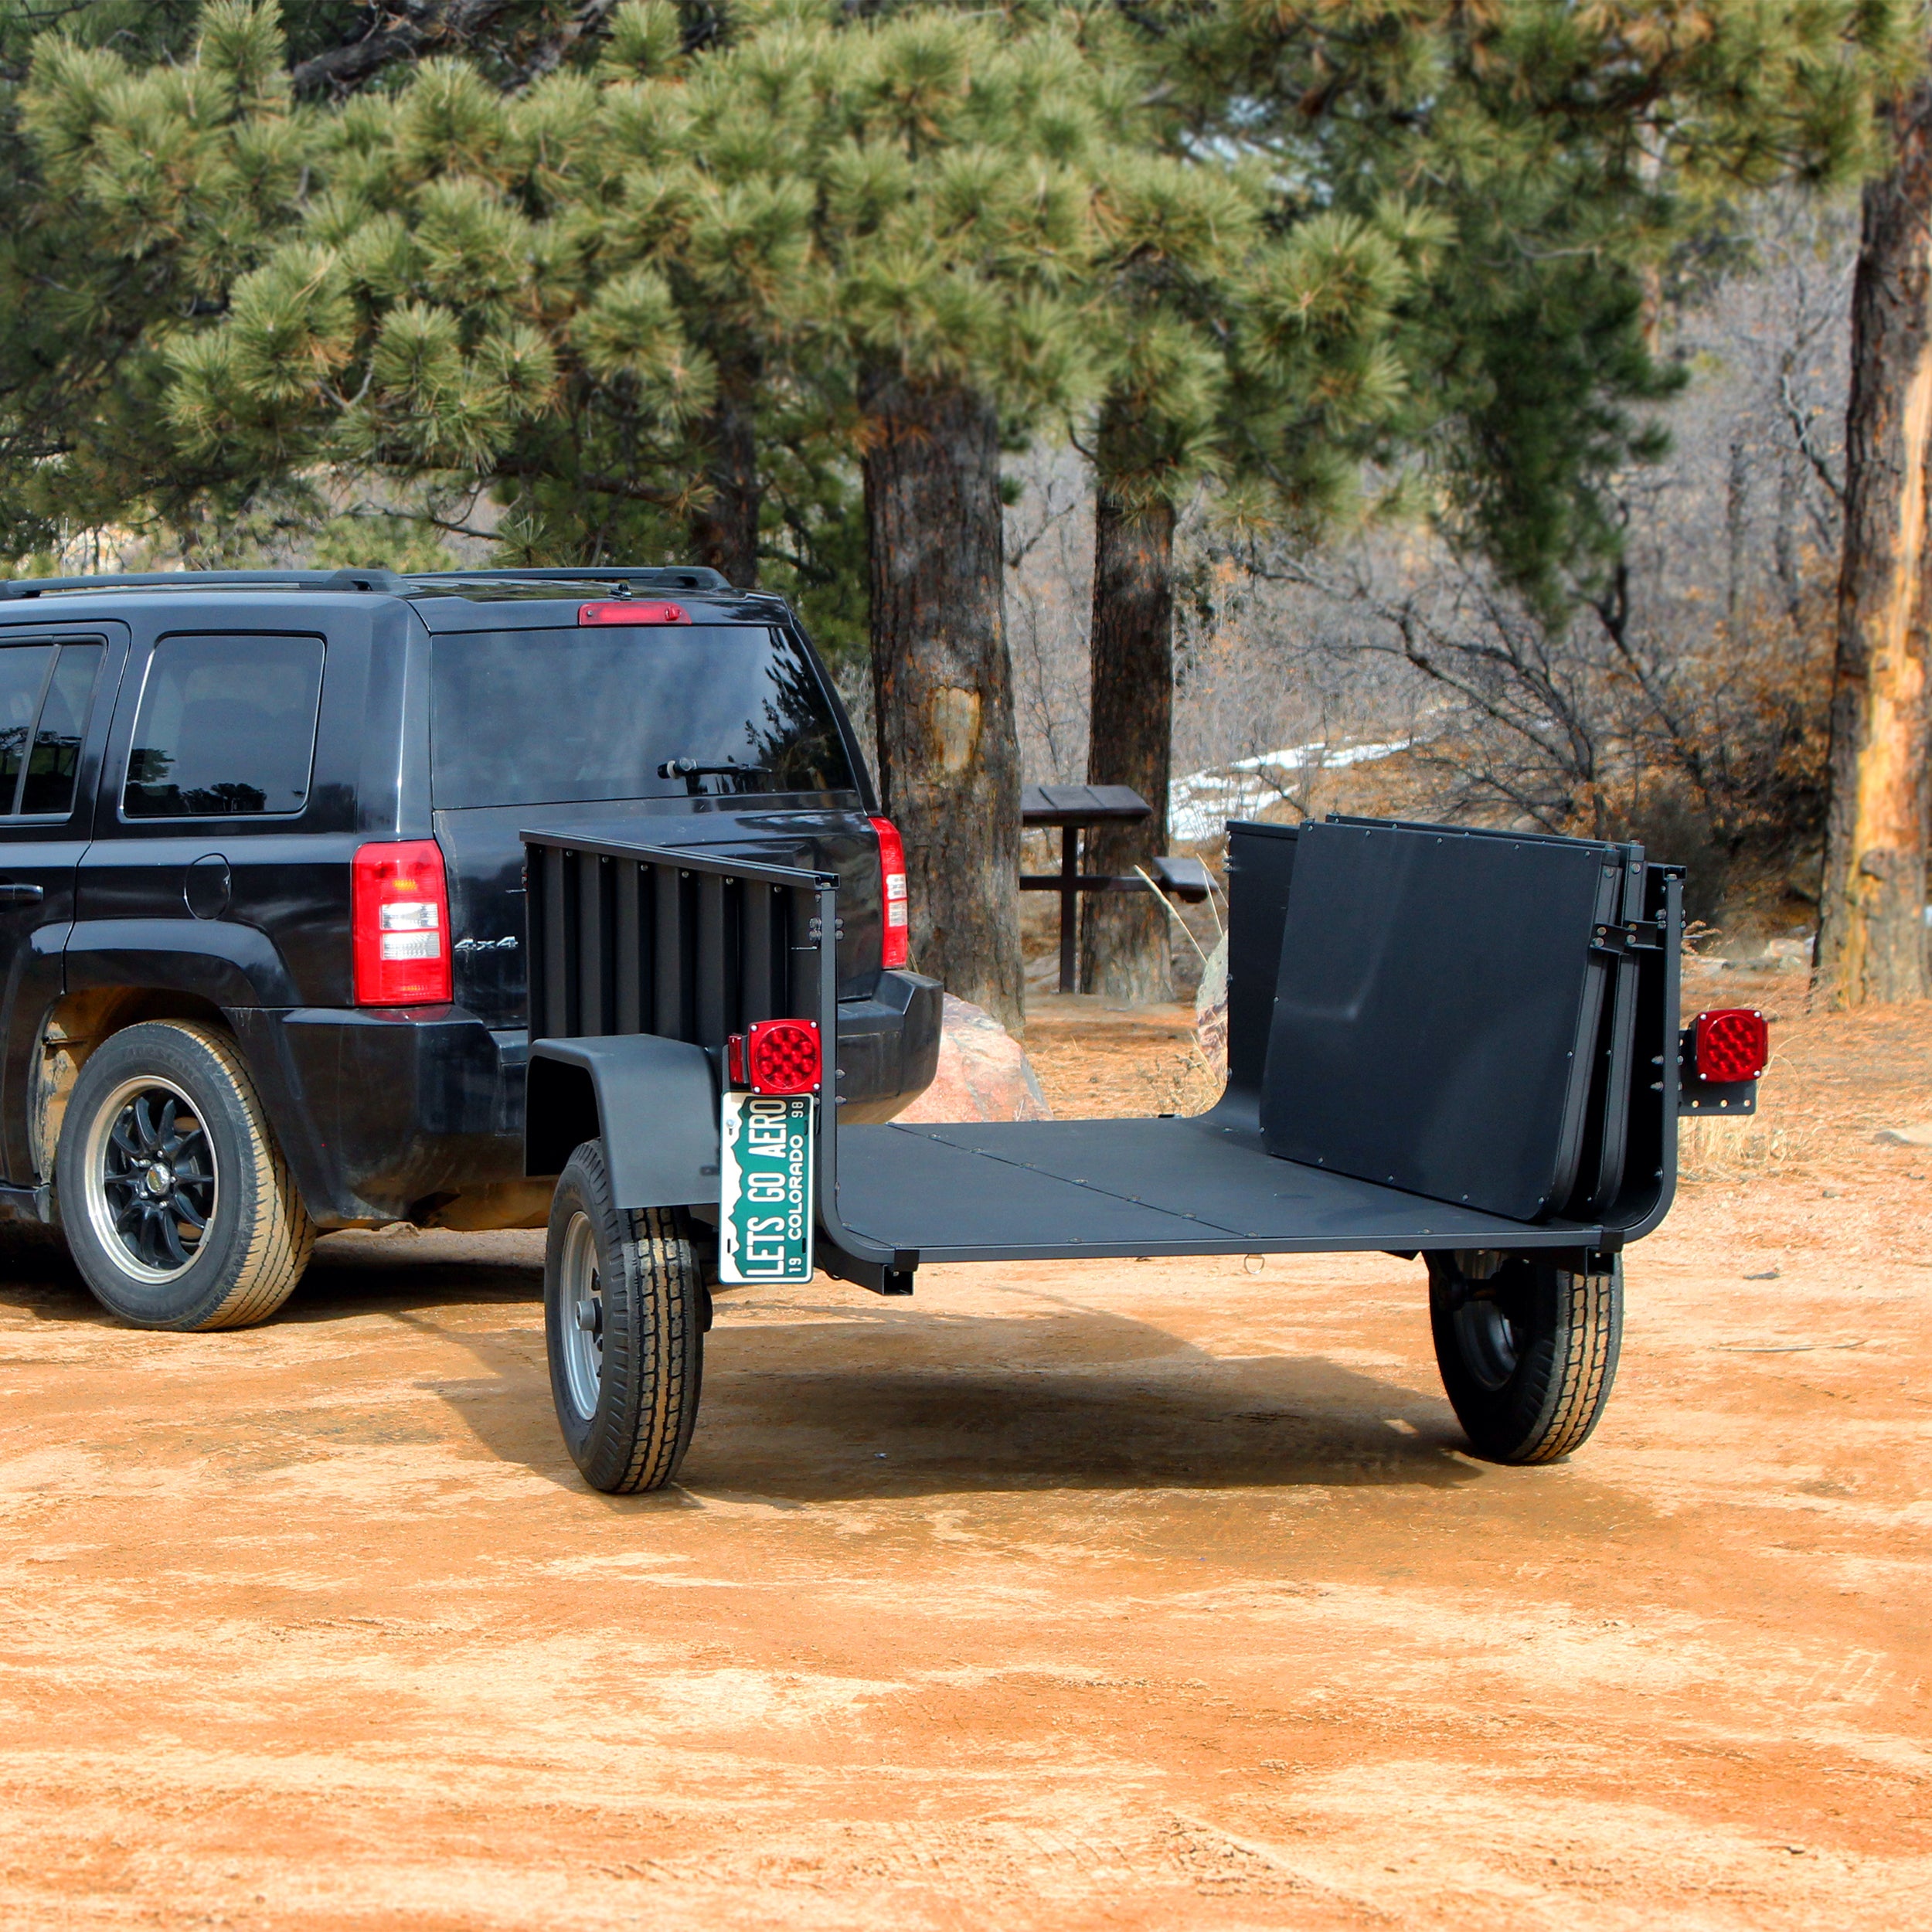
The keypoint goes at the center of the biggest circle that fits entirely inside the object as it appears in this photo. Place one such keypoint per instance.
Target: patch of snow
(1200, 804)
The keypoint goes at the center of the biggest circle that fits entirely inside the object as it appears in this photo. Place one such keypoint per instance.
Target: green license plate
(764, 1223)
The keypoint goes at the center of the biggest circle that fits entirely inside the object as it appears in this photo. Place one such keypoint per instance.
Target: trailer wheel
(1527, 1348)
(623, 1316)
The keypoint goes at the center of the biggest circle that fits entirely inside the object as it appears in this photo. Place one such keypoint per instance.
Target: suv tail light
(1733, 1043)
(632, 611)
(778, 1056)
(892, 889)
(399, 925)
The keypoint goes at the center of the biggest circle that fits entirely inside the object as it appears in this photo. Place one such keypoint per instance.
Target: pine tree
(669, 296)
(1257, 359)
(622, 301)
(722, 215)
(142, 193)
(90, 291)
(954, 214)
(1546, 161)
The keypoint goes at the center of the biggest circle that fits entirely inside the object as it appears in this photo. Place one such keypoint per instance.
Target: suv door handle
(13, 895)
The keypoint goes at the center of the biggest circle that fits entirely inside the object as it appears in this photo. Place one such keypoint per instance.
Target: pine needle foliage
(153, 189)
(632, 299)
(1543, 172)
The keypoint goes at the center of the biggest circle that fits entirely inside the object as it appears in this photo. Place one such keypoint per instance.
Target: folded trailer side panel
(1436, 1011)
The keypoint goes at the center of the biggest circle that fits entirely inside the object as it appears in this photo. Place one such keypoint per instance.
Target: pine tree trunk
(1872, 942)
(725, 531)
(948, 749)
(1125, 951)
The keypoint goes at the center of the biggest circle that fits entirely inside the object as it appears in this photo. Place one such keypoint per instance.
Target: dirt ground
(1125, 1595)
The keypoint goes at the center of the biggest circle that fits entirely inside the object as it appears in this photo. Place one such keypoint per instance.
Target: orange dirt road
(1133, 1595)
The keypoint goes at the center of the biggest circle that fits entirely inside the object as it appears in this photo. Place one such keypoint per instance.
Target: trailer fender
(653, 1101)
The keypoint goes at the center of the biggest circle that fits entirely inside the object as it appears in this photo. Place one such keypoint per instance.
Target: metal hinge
(1640, 936)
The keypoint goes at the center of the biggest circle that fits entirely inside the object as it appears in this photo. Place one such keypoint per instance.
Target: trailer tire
(624, 1319)
(1527, 1348)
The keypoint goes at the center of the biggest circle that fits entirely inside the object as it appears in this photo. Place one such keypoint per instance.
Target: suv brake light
(892, 891)
(632, 611)
(399, 925)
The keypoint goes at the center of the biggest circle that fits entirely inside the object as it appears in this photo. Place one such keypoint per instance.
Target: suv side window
(44, 690)
(54, 762)
(226, 725)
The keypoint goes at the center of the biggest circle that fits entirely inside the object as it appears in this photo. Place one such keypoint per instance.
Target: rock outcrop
(984, 1073)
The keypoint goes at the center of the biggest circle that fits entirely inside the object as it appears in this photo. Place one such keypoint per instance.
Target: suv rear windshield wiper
(694, 771)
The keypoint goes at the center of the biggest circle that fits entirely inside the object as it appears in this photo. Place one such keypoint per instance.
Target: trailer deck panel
(1024, 1190)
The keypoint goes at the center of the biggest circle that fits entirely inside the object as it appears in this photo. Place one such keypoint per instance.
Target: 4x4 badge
(506, 944)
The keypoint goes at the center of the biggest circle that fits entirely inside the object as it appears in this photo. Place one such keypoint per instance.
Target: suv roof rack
(13, 588)
(660, 576)
(681, 576)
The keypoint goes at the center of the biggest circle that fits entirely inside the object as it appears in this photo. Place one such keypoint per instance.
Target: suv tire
(1527, 1348)
(624, 1318)
(178, 1206)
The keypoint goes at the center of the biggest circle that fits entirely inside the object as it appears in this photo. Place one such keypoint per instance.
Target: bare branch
(1800, 419)
(410, 29)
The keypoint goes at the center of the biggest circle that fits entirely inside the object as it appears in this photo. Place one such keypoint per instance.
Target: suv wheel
(178, 1206)
(625, 1311)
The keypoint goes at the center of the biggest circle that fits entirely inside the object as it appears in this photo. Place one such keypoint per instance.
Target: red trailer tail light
(892, 888)
(1733, 1043)
(399, 925)
(632, 611)
(779, 1056)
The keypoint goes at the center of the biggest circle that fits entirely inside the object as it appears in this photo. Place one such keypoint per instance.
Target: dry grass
(1096, 1062)
(1711, 1148)
(1181, 1082)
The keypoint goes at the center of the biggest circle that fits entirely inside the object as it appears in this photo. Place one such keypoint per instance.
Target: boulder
(984, 1074)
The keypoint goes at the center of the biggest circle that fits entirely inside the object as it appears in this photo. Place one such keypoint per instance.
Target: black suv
(262, 888)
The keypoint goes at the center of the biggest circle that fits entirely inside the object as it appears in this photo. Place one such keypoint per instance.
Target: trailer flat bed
(1043, 1190)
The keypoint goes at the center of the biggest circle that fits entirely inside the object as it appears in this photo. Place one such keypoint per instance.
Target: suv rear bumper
(888, 1047)
(404, 1114)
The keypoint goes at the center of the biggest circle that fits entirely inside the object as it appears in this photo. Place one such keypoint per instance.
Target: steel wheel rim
(150, 1182)
(581, 1315)
(1488, 1339)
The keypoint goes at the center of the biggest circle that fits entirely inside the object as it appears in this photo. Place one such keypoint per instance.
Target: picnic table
(1074, 808)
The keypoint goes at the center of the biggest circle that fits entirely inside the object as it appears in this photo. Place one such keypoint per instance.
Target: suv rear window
(565, 717)
(226, 725)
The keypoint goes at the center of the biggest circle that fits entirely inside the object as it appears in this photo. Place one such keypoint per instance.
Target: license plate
(765, 1217)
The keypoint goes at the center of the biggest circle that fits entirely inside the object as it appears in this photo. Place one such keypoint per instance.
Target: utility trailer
(1455, 1044)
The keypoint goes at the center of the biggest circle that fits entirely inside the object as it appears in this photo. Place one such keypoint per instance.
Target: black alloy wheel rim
(158, 1179)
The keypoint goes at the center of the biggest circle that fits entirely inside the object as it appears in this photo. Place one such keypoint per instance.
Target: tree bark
(725, 532)
(1872, 939)
(948, 750)
(1125, 949)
